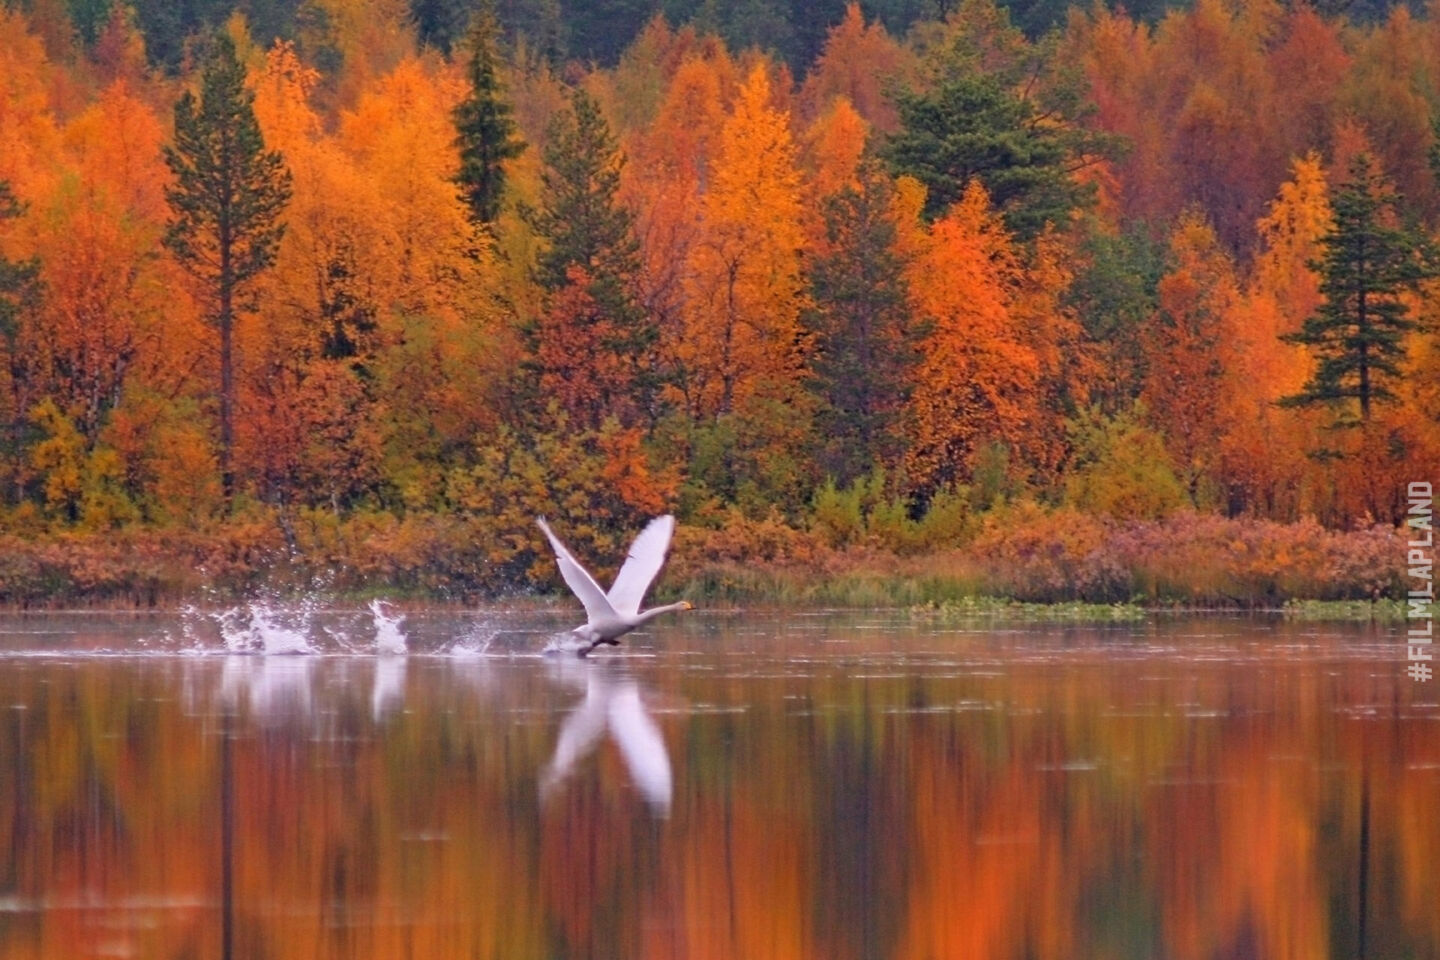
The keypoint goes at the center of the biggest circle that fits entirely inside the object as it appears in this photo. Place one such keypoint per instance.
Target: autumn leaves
(706, 285)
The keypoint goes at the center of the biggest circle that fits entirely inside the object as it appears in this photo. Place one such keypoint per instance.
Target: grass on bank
(999, 608)
(1022, 560)
(1382, 610)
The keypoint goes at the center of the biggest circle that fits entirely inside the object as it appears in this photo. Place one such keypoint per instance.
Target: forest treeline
(330, 278)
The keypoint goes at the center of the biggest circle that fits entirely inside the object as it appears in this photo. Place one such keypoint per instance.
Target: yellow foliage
(1123, 472)
(744, 289)
(61, 458)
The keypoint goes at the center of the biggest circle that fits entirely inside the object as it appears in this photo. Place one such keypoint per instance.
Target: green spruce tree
(590, 239)
(1357, 335)
(1014, 125)
(581, 216)
(865, 343)
(225, 206)
(485, 131)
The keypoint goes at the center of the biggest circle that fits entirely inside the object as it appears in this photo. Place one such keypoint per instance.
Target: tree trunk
(1364, 386)
(226, 322)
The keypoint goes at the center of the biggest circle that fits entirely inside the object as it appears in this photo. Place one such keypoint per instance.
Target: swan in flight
(610, 616)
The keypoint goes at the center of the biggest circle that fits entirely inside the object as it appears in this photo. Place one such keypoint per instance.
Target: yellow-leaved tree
(1264, 469)
(745, 284)
(742, 348)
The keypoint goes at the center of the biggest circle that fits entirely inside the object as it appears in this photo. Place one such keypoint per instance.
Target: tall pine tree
(866, 346)
(225, 205)
(1357, 335)
(1014, 127)
(581, 217)
(485, 131)
(592, 258)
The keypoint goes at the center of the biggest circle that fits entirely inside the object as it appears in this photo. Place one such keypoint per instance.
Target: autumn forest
(1084, 305)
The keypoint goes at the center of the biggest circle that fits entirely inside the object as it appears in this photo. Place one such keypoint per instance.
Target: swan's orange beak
(686, 605)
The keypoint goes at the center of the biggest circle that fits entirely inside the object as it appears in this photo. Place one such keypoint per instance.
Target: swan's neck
(646, 615)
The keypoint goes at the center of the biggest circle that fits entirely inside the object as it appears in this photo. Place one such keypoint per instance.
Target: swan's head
(686, 605)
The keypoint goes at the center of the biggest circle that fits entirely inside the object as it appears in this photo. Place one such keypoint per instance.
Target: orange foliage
(401, 137)
(1312, 62)
(857, 64)
(833, 146)
(31, 135)
(580, 372)
(381, 363)
(1387, 92)
(1264, 448)
(975, 383)
(1189, 346)
(662, 182)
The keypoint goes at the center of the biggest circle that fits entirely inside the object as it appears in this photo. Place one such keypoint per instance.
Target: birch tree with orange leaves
(1188, 345)
(975, 384)
(1263, 463)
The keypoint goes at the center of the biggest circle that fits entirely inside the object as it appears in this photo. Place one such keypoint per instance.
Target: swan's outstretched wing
(597, 607)
(647, 555)
(641, 745)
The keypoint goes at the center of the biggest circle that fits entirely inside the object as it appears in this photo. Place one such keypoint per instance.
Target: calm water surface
(734, 786)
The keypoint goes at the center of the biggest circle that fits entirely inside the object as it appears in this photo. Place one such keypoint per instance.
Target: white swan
(611, 616)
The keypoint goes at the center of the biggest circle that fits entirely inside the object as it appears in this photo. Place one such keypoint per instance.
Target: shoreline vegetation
(1017, 562)
(945, 314)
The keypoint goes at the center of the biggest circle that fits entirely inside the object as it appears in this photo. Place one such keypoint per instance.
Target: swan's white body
(609, 616)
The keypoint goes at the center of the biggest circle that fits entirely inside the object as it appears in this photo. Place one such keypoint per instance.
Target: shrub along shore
(1023, 554)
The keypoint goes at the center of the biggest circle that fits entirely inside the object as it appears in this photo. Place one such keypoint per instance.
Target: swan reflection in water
(612, 703)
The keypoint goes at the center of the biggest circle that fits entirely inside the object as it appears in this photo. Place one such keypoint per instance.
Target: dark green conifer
(485, 131)
(866, 345)
(1357, 335)
(225, 205)
(590, 237)
(1005, 112)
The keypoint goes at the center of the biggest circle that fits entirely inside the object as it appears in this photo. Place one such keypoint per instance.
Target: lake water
(728, 785)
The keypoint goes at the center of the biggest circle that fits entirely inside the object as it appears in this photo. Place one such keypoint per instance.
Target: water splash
(474, 644)
(190, 639)
(562, 643)
(389, 638)
(258, 629)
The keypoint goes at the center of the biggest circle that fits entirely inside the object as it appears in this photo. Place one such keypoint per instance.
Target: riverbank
(1027, 555)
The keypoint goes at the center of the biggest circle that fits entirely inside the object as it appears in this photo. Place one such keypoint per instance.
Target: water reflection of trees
(1085, 809)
